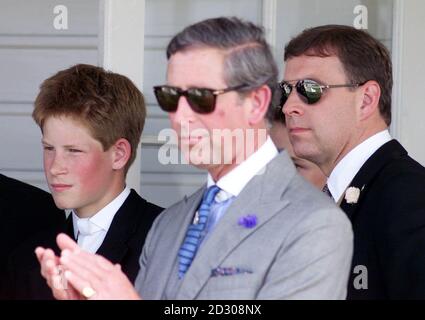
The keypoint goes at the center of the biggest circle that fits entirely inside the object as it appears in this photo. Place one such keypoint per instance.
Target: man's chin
(63, 204)
(200, 162)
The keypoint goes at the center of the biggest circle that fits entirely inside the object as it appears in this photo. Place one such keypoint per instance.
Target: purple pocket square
(230, 271)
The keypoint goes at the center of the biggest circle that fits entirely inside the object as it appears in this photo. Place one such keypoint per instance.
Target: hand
(53, 272)
(93, 274)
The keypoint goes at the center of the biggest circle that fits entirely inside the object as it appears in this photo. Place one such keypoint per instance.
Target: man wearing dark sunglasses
(336, 97)
(256, 229)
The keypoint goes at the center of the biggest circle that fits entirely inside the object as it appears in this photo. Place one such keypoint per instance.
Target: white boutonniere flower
(352, 195)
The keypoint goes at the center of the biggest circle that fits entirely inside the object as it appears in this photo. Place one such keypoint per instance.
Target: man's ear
(121, 153)
(260, 98)
(370, 99)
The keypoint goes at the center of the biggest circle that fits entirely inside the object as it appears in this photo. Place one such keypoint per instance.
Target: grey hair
(248, 57)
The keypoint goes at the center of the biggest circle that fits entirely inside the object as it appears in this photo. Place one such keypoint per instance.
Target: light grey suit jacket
(301, 247)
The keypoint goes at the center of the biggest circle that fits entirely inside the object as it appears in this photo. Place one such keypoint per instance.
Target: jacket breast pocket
(235, 286)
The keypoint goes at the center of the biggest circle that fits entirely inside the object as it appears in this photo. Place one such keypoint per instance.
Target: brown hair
(362, 56)
(107, 103)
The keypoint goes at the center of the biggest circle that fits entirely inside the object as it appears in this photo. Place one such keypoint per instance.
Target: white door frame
(397, 58)
(408, 51)
(121, 48)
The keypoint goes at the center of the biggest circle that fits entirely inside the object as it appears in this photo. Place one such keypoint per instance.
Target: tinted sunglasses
(201, 100)
(309, 91)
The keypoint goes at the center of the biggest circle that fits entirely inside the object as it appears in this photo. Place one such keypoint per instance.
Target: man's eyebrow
(44, 142)
(65, 146)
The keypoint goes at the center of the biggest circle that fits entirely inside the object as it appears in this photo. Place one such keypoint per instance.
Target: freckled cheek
(47, 163)
(91, 174)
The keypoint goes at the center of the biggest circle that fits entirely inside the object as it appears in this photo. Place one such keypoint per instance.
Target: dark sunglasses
(309, 91)
(201, 100)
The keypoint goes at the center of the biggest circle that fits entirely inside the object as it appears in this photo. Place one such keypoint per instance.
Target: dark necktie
(191, 242)
(326, 191)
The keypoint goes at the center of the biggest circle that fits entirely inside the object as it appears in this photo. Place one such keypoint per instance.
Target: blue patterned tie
(191, 242)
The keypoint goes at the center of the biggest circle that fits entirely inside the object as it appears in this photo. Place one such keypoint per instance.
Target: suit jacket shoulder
(24, 211)
(388, 221)
(26, 207)
(300, 247)
(387, 168)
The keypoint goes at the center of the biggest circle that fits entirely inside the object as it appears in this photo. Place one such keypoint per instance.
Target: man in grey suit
(256, 230)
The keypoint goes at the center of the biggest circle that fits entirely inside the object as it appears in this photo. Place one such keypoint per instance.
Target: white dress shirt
(90, 232)
(233, 182)
(345, 171)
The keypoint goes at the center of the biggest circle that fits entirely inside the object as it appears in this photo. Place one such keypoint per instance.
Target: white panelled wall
(31, 50)
(130, 37)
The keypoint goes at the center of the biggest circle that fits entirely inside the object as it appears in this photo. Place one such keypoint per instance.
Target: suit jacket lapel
(227, 234)
(369, 171)
(114, 247)
(69, 227)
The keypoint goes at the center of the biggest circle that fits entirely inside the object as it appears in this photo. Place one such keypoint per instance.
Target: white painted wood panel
(35, 17)
(31, 50)
(295, 16)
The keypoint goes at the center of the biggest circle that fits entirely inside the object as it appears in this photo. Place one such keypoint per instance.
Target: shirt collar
(345, 171)
(104, 217)
(234, 181)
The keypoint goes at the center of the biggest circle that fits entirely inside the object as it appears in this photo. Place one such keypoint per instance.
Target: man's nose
(184, 112)
(293, 105)
(57, 166)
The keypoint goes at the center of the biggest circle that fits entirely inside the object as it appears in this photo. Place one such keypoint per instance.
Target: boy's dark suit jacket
(24, 211)
(389, 227)
(123, 244)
